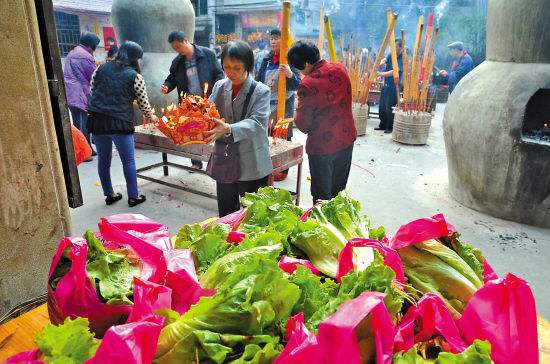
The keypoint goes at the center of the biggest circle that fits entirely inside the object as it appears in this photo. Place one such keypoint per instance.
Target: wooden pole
(394, 63)
(285, 35)
(379, 56)
(330, 41)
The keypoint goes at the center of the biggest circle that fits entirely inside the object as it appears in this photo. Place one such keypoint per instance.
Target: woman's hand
(222, 128)
(286, 69)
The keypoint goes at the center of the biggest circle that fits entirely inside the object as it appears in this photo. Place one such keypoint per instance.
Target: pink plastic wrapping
(428, 318)
(336, 340)
(149, 297)
(181, 277)
(133, 343)
(421, 230)
(235, 237)
(26, 357)
(75, 294)
(233, 220)
(289, 264)
(503, 312)
(305, 215)
(391, 258)
(488, 272)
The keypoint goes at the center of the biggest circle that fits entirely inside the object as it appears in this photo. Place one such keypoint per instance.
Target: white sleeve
(141, 95)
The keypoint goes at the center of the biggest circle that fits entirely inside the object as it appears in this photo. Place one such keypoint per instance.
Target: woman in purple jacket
(78, 70)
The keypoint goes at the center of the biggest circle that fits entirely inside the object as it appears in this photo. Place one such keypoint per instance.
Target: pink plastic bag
(181, 277)
(428, 318)
(391, 258)
(133, 343)
(503, 312)
(421, 230)
(289, 264)
(26, 357)
(149, 297)
(488, 272)
(235, 237)
(233, 220)
(336, 340)
(75, 295)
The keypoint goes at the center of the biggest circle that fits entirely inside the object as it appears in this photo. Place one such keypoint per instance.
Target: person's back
(114, 91)
(77, 73)
(325, 94)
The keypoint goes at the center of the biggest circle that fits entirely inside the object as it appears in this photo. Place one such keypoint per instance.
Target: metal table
(284, 154)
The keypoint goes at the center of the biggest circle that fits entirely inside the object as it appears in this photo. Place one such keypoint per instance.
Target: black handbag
(224, 163)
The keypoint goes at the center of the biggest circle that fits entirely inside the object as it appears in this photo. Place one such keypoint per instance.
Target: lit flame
(545, 125)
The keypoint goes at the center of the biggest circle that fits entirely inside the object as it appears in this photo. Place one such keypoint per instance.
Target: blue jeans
(80, 118)
(125, 145)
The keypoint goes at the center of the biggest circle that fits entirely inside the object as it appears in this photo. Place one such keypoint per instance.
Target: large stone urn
(148, 22)
(497, 121)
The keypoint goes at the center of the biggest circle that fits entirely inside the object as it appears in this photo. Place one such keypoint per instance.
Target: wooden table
(284, 154)
(18, 334)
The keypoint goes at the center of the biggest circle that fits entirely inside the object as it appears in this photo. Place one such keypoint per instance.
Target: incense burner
(494, 123)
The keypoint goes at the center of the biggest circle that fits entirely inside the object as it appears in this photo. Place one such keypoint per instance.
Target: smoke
(331, 7)
(440, 10)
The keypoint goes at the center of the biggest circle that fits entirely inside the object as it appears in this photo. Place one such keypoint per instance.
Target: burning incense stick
(395, 65)
(285, 35)
(321, 39)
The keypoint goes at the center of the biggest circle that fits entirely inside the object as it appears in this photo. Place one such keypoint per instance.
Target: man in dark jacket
(389, 95)
(191, 70)
(462, 64)
(269, 74)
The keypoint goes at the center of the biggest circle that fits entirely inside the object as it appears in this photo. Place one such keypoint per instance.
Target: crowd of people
(245, 92)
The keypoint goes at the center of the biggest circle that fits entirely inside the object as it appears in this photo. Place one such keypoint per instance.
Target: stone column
(148, 22)
(34, 213)
(493, 168)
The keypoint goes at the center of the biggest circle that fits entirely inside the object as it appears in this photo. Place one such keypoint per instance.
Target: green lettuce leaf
(376, 277)
(472, 256)
(71, 342)
(231, 262)
(207, 245)
(315, 291)
(321, 243)
(477, 353)
(113, 272)
(249, 302)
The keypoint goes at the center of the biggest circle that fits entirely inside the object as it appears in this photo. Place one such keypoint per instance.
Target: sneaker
(109, 200)
(136, 201)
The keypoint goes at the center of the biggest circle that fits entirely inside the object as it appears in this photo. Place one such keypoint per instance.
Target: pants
(125, 145)
(80, 118)
(329, 173)
(229, 193)
(388, 99)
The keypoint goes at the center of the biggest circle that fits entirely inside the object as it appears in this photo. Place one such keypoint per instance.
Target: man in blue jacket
(462, 64)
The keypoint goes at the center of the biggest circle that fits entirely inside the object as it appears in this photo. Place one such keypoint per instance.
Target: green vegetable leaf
(315, 291)
(321, 242)
(72, 342)
(472, 256)
(207, 245)
(249, 302)
(112, 271)
(477, 353)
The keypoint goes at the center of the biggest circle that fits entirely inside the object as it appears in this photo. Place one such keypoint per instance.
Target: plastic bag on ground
(503, 312)
(391, 258)
(428, 318)
(82, 149)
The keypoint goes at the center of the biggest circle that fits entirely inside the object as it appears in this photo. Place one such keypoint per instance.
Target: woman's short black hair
(176, 35)
(128, 55)
(275, 32)
(302, 52)
(89, 39)
(112, 51)
(241, 51)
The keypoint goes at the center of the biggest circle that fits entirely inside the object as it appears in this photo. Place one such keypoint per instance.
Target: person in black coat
(191, 70)
(389, 94)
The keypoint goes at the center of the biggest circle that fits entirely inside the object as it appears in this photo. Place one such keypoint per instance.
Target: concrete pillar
(148, 22)
(33, 202)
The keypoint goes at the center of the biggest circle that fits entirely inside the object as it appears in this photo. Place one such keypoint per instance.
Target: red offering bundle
(187, 122)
